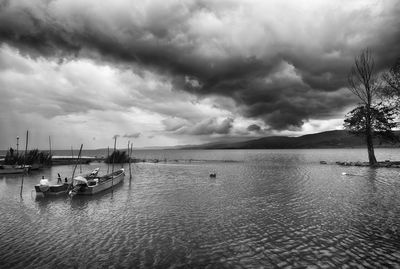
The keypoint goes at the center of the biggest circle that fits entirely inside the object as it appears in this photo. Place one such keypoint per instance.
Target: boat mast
(17, 145)
(50, 145)
(112, 176)
(129, 155)
(26, 149)
(50, 156)
(80, 165)
(108, 159)
(113, 159)
(76, 164)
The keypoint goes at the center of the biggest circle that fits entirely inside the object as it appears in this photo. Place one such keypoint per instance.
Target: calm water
(267, 208)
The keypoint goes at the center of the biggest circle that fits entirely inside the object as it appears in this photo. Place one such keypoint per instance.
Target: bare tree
(392, 79)
(363, 84)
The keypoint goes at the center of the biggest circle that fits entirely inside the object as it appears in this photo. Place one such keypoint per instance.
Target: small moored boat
(44, 188)
(14, 169)
(85, 186)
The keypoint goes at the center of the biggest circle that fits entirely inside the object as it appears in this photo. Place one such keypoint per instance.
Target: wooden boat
(84, 186)
(14, 169)
(44, 188)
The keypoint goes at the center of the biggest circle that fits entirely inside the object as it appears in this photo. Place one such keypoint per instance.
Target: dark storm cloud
(254, 128)
(281, 71)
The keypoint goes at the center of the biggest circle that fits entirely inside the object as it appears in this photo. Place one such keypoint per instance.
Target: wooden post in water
(115, 146)
(129, 154)
(26, 149)
(108, 159)
(131, 151)
(50, 145)
(50, 152)
(17, 145)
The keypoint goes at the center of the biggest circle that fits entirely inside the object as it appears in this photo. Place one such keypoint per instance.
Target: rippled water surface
(267, 208)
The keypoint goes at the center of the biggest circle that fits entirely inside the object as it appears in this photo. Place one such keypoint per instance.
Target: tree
(391, 92)
(392, 78)
(382, 122)
(118, 157)
(363, 83)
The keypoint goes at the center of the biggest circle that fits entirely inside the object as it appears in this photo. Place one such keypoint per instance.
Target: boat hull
(102, 186)
(53, 190)
(12, 169)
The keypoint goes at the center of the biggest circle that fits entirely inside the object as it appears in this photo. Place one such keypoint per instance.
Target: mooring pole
(115, 145)
(108, 159)
(26, 149)
(50, 145)
(129, 154)
(17, 145)
(112, 177)
(50, 156)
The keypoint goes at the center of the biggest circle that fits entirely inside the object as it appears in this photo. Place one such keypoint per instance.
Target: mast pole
(26, 149)
(115, 145)
(108, 159)
(112, 177)
(129, 154)
(76, 164)
(50, 145)
(50, 156)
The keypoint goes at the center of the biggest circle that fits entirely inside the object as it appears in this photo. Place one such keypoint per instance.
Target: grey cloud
(208, 127)
(253, 128)
(224, 63)
(134, 135)
(173, 124)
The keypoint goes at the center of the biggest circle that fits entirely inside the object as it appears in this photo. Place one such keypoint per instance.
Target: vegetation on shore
(33, 156)
(117, 157)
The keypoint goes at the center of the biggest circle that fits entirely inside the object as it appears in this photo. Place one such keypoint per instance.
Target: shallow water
(265, 208)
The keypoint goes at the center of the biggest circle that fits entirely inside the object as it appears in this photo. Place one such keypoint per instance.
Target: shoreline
(386, 163)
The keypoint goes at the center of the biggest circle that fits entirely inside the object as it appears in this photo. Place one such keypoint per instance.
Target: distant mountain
(330, 139)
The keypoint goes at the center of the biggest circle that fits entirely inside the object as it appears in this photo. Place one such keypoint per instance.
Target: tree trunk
(371, 153)
(370, 144)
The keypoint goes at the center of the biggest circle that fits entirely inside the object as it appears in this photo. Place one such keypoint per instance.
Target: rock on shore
(386, 163)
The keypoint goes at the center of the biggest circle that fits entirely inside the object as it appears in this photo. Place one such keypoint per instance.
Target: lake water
(265, 209)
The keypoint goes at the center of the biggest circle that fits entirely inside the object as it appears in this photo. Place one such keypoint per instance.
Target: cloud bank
(281, 62)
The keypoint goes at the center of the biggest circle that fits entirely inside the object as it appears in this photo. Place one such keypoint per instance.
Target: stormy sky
(162, 73)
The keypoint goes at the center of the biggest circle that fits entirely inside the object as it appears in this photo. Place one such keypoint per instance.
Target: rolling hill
(329, 139)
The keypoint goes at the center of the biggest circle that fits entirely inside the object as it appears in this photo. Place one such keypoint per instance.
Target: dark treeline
(32, 157)
(118, 157)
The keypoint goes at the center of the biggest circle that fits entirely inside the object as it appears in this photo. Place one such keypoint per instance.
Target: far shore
(386, 163)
